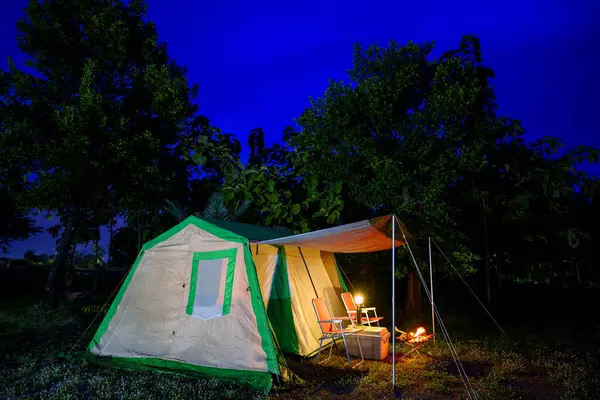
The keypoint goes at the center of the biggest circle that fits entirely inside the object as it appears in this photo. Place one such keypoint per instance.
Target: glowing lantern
(358, 300)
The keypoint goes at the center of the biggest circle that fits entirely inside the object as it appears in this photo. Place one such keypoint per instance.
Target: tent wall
(309, 279)
(265, 259)
(337, 282)
(148, 324)
(288, 278)
(280, 308)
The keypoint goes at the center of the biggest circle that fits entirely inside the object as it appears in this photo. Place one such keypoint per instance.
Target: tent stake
(431, 285)
(394, 301)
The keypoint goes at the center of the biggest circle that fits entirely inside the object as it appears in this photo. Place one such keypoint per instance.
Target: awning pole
(308, 272)
(431, 285)
(394, 301)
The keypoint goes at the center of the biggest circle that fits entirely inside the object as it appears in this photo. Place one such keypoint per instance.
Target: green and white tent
(223, 299)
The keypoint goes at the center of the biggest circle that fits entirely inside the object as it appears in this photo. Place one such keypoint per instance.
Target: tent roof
(359, 237)
(250, 232)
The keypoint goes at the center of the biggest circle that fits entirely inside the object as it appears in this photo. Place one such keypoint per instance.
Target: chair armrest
(369, 308)
(351, 311)
(330, 321)
(342, 318)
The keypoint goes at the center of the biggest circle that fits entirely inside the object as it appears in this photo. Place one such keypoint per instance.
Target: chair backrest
(323, 314)
(348, 301)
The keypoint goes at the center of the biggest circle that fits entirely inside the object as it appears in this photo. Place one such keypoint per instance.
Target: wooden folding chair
(332, 329)
(351, 309)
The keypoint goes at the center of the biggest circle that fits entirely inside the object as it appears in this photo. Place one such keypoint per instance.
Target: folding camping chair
(351, 309)
(332, 329)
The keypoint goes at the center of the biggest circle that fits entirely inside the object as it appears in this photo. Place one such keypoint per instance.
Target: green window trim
(230, 255)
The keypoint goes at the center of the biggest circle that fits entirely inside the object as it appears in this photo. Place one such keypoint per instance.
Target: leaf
(295, 209)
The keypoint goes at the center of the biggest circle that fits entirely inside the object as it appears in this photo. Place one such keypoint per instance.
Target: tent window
(211, 284)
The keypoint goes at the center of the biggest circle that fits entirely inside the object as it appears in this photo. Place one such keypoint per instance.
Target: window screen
(211, 284)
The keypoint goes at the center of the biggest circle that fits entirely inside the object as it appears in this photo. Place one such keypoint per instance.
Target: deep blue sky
(258, 62)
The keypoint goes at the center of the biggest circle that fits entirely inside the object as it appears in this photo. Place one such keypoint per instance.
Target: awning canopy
(360, 237)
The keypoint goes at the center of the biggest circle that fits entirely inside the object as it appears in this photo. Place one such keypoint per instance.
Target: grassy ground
(550, 365)
(497, 369)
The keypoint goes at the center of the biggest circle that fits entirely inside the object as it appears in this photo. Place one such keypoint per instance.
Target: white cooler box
(373, 340)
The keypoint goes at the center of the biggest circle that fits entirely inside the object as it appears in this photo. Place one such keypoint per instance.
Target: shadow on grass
(475, 369)
(330, 378)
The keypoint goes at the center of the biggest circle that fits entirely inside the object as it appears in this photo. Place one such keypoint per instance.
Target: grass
(497, 369)
(529, 364)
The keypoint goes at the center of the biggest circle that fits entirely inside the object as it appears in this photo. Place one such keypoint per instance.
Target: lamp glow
(358, 300)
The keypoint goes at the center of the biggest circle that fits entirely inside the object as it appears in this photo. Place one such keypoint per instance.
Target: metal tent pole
(394, 301)
(308, 272)
(431, 285)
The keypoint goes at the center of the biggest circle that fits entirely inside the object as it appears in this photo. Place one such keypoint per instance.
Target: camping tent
(224, 299)
(193, 302)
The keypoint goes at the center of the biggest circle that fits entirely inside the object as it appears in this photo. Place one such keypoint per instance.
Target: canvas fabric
(303, 292)
(148, 320)
(359, 237)
(265, 259)
(335, 276)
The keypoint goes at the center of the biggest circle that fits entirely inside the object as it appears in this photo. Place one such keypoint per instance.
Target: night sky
(258, 62)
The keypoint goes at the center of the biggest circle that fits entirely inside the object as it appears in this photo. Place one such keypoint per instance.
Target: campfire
(418, 336)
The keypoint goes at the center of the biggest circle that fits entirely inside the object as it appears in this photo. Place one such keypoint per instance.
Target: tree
(100, 121)
(403, 132)
(272, 189)
(214, 209)
(15, 220)
(282, 190)
(15, 224)
(527, 195)
(123, 249)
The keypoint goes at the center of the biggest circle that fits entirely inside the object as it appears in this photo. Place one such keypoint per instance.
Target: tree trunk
(73, 256)
(500, 280)
(111, 232)
(410, 296)
(97, 266)
(55, 282)
(418, 297)
(413, 295)
(488, 283)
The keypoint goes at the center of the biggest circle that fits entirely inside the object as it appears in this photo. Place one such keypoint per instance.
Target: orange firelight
(418, 335)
